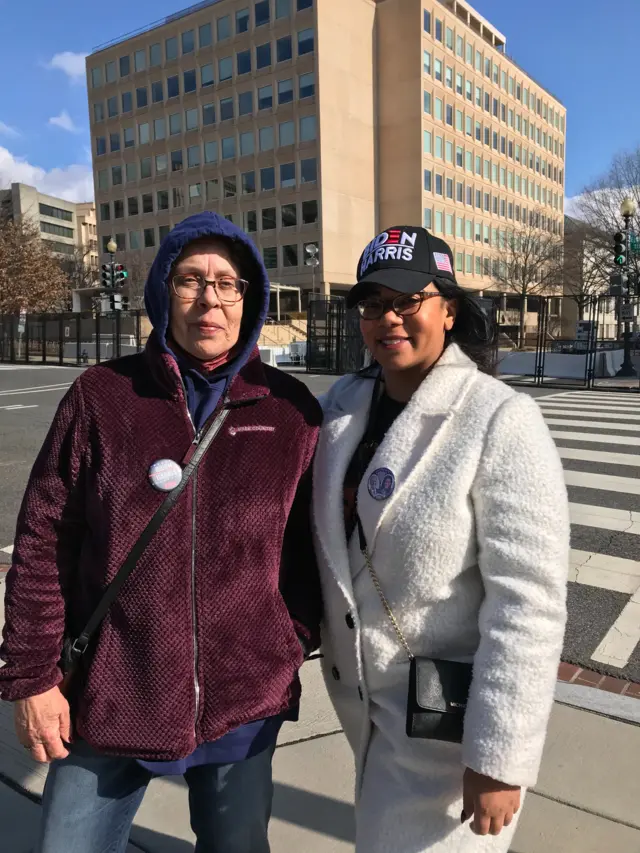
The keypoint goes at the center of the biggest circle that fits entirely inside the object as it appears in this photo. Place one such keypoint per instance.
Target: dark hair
(473, 330)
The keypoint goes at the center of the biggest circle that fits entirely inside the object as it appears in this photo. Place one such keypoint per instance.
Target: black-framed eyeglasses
(191, 286)
(374, 308)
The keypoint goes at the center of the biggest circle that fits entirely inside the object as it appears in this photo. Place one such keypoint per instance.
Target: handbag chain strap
(383, 597)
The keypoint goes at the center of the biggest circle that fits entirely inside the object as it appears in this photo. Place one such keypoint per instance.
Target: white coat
(471, 550)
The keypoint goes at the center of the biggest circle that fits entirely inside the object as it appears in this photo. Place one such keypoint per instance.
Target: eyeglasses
(374, 308)
(191, 287)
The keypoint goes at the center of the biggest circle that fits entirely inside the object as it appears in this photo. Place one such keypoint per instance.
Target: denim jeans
(90, 801)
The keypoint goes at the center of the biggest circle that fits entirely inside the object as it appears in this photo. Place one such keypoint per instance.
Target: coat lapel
(343, 427)
(418, 431)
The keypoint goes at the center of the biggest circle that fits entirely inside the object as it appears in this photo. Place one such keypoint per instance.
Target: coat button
(335, 672)
(360, 694)
(349, 620)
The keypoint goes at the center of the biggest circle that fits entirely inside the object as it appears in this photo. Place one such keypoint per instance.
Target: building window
(428, 182)
(208, 115)
(129, 137)
(287, 133)
(308, 128)
(307, 85)
(147, 203)
(229, 187)
(459, 121)
(285, 91)
(195, 193)
(173, 87)
(439, 185)
(125, 66)
(226, 109)
(439, 217)
(250, 221)
(438, 30)
(96, 78)
(287, 175)
(162, 164)
(449, 38)
(114, 142)
(284, 49)
(266, 137)
(438, 113)
(213, 189)
(459, 84)
(243, 59)
(265, 98)
(134, 240)
(263, 55)
(247, 143)
(140, 60)
(309, 212)
(205, 36)
(438, 67)
(110, 72)
(450, 188)
(171, 48)
(127, 102)
(459, 156)
(103, 179)
(426, 21)
(439, 148)
(268, 180)
(105, 212)
(283, 9)
(191, 119)
(245, 103)
(228, 148)
(149, 238)
(157, 92)
(469, 91)
(290, 256)
(211, 151)
(193, 156)
(449, 224)
(262, 13)
(248, 183)
(308, 171)
(427, 142)
(159, 129)
(225, 68)
(448, 77)
(206, 75)
(460, 46)
(188, 42)
(176, 161)
(305, 42)
(270, 257)
(178, 197)
(426, 62)
(304, 4)
(427, 102)
(175, 123)
(223, 25)
(131, 172)
(450, 115)
(142, 99)
(427, 218)
(98, 111)
(189, 81)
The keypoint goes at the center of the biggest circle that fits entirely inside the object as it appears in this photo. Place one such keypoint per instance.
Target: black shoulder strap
(111, 593)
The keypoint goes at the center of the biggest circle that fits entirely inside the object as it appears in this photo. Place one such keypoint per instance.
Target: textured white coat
(472, 552)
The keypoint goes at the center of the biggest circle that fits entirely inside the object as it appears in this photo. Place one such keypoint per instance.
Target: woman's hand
(43, 725)
(490, 803)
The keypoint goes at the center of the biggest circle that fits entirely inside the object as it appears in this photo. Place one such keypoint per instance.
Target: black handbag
(74, 648)
(438, 689)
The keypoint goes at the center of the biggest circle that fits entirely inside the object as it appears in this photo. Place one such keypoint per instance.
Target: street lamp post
(112, 248)
(628, 210)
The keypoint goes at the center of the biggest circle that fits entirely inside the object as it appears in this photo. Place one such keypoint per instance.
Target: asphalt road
(29, 398)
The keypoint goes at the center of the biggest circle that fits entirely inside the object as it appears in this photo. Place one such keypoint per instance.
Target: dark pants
(90, 801)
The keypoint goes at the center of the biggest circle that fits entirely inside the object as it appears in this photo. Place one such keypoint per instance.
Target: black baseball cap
(405, 258)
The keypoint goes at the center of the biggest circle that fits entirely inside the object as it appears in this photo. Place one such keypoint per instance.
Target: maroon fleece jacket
(222, 592)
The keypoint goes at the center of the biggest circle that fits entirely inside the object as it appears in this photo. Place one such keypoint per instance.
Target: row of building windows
(501, 77)
(286, 256)
(465, 158)
(483, 100)
(59, 248)
(479, 232)
(56, 212)
(186, 43)
(57, 230)
(202, 77)
(472, 196)
(244, 104)
(212, 191)
(289, 174)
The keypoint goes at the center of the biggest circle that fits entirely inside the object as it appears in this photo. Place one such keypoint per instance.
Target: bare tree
(136, 280)
(587, 261)
(31, 277)
(528, 262)
(78, 270)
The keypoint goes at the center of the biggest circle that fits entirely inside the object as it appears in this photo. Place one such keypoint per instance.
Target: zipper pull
(197, 437)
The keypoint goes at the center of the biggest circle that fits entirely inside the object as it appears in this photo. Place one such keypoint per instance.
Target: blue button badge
(382, 484)
(165, 475)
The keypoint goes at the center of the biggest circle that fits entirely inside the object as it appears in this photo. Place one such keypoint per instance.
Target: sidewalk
(586, 799)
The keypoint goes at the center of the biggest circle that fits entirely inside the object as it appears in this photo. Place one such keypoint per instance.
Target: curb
(569, 673)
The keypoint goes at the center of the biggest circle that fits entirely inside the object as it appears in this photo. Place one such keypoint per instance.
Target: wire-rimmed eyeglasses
(191, 287)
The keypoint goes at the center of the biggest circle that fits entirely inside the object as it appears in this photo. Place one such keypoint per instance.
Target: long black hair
(473, 330)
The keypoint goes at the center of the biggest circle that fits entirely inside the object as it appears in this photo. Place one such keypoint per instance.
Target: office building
(320, 123)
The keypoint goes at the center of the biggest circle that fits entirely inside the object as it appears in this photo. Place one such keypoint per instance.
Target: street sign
(635, 244)
(626, 313)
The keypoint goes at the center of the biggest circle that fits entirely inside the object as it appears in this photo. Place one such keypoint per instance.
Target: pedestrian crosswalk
(598, 438)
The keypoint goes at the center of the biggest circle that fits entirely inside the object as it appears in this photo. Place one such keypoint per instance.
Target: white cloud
(572, 206)
(65, 122)
(73, 65)
(73, 183)
(6, 130)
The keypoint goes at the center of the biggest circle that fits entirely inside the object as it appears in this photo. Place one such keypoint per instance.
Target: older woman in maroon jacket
(195, 666)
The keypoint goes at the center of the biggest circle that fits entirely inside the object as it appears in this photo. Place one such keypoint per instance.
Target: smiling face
(409, 343)
(205, 327)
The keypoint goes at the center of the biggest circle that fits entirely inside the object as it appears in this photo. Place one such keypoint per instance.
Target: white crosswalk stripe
(597, 435)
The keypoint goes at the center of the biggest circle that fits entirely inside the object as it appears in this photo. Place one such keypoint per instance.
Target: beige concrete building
(319, 122)
(67, 227)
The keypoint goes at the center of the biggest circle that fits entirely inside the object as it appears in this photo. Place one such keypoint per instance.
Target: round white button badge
(165, 475)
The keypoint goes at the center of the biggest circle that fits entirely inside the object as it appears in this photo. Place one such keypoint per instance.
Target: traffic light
(125, 303)
(115, 302)
(107, 275)
(618, 284)
(120, 275)
(619, 250)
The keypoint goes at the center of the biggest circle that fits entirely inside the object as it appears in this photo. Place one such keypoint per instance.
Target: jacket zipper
(194, 614)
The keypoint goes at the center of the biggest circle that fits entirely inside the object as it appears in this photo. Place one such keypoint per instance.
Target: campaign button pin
(381, 484)
(165, 475)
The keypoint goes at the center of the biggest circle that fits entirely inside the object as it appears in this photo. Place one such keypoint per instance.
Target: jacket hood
(246, 256)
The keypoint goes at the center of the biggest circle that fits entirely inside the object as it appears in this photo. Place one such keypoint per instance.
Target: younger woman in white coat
(442, 530)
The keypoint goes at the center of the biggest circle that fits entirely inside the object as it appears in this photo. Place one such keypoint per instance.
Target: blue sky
(43, 108)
